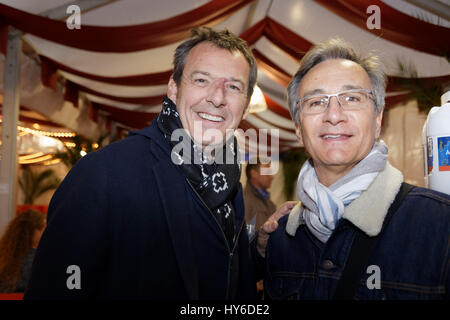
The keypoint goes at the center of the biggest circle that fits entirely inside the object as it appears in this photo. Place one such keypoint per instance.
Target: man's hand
(271, 225)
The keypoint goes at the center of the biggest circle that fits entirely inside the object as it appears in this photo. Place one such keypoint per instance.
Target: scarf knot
(325, 206)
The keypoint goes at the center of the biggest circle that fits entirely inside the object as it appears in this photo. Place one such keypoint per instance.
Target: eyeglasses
(348, 100)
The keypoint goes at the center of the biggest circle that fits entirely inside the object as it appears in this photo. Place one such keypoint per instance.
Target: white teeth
(210, 117)
(331, 136)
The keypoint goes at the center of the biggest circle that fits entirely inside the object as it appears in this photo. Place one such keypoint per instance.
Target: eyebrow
(350, 87)
(321, 91)
(209, 75)
(313, 92)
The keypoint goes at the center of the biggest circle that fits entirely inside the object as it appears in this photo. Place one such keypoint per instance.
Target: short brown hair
(254, 164)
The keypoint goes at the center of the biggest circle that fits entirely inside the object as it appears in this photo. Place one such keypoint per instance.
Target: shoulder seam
(429, 194)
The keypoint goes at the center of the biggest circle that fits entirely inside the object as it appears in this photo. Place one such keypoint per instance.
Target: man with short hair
(359, 231)
(153, 216)
(258, 206)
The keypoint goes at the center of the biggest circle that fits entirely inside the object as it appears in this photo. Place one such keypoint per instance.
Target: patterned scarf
(324, 206)
(214, 179)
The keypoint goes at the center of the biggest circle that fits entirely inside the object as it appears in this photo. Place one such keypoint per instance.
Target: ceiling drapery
(397, 26)
(122, 68)
(121, 39)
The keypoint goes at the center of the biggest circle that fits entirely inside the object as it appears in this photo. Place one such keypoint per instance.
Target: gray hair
(223, 39)
(338, 49)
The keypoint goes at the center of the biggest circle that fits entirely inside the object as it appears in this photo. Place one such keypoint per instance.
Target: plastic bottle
(436, 143)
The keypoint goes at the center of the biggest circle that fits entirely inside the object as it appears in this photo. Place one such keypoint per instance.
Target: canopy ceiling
(115, 69)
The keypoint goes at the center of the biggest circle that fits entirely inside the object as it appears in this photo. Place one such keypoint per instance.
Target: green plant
(427, 94)
(72, 154)
(292, 162)
(35, 184)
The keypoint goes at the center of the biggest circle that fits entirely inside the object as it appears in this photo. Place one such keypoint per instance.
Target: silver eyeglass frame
(299, 101)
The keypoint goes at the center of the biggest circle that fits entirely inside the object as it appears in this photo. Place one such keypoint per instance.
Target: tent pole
(10, 116)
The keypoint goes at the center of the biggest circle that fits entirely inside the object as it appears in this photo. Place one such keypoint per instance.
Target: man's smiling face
(336, 139)
(212, 93)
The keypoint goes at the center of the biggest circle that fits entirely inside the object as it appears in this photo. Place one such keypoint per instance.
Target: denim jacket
(410, 261)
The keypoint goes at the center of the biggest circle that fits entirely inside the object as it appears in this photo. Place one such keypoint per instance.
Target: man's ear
(298, 133)
(246, 111)
(379, 121)
(172, 90)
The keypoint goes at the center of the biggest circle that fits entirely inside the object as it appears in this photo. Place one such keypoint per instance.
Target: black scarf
(214, 181)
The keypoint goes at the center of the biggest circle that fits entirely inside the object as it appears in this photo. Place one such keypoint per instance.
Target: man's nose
(216, 93)
(334, 113)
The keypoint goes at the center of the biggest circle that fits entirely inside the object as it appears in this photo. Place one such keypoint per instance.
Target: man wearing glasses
(359, 231)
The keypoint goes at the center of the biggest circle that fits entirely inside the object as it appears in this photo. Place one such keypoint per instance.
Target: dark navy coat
(126, 217)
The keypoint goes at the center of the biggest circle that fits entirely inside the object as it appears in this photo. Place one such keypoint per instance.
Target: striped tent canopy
(110, 74)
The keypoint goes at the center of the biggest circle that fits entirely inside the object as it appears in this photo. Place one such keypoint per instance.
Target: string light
(30, 156)
(70, 144)
(54, 134)
(38, 159)
(39, 156)
(50, 162)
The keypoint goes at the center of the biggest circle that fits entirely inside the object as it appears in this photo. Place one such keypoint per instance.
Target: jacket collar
(153, 132)
(368, 211)
(256, 192)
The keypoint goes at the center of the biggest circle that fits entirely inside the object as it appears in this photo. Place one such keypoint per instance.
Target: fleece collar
(368, 211)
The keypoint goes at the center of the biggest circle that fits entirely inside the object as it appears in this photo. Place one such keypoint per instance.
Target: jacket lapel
(238, 203)
(178, 224)
(169, 182)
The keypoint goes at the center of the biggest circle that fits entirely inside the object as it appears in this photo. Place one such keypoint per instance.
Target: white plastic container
(436, 143)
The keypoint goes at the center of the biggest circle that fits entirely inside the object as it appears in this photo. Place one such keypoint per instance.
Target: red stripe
(273, 71)
(124, 38)
(133, 119)
(11, 296)
(49, 68)
(149, 100)
(395, 25)
(276, 108)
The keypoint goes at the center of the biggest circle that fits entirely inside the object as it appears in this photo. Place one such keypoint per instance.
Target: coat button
(328, 265)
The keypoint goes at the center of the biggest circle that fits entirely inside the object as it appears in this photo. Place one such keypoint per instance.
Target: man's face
(212, 93)
(262, 181)
(353, 132)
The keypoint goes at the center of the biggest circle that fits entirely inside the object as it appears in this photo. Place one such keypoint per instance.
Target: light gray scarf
(324, 206)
